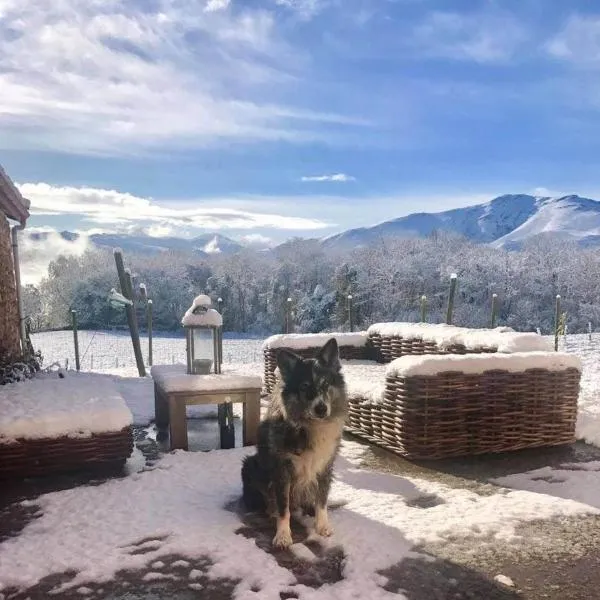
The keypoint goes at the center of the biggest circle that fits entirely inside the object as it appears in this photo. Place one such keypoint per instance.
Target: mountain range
(504, 222)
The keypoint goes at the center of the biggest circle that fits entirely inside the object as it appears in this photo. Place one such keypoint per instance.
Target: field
(104, 350)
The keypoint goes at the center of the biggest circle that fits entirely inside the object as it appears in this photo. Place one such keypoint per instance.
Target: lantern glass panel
(204, 351)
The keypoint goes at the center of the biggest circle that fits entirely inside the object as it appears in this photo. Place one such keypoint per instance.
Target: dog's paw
(283, 538)
(324, 529)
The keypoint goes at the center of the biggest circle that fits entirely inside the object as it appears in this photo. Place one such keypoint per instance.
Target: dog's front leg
(322, 526)
(283, 536)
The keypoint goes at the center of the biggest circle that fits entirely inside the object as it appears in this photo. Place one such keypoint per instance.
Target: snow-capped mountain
(506, 221)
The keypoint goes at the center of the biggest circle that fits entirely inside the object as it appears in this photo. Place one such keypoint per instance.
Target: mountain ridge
(506, 221)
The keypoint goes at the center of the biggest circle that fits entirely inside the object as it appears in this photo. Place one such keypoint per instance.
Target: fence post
(288, 315)
(493, 319)
(149, 315)
(556, 322)
(127, 291)
(453, 279)
(75, 339)
(590, 330)
(350, 314)
(423, 308)
(220, 305)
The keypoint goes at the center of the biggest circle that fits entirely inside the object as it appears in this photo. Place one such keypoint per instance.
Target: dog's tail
(253, 495)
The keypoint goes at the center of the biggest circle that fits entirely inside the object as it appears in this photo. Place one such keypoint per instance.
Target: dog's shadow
(314, 561)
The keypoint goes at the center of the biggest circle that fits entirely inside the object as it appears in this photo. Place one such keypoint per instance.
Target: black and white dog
(298, 441)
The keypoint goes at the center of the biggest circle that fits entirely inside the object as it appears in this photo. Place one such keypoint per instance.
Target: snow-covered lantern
(202, 326)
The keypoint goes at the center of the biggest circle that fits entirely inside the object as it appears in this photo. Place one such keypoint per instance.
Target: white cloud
(118, 208)
(256, 239)
(113, 78)
(485, 37)
(578, 42)
(339, 177)
(546, 193)
(160, 230)
(213, 5)
(38, 246)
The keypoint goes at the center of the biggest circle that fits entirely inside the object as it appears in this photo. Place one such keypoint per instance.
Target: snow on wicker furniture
(352, 346)
(443, 406)
(393, 340)
(50, 425)
(174, 389)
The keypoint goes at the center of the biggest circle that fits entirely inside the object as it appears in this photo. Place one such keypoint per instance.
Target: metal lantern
(202, 326)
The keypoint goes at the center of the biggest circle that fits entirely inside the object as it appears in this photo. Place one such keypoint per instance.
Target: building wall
(9, 311)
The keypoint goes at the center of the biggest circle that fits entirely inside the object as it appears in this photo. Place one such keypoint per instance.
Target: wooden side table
(174, 389)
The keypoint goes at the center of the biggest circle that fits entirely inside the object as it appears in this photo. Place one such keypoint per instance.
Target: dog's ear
(287, 362)
(329, 355)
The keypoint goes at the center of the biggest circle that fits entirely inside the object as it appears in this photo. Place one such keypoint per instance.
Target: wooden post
(220, 305)
(288, 315)
(423, 309)
(453, 280)
(144, 295)
(75, 339)
(127, 291)
(350, 313)
(556, 322)
(149, 316)
(493, 319)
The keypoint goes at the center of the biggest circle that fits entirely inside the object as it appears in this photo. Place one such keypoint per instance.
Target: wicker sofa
(50, 425)
(454, 392)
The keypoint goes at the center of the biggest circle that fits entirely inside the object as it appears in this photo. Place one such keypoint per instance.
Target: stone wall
(9, 311)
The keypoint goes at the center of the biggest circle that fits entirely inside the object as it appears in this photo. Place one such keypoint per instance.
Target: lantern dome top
(204, 318)
(201, 300)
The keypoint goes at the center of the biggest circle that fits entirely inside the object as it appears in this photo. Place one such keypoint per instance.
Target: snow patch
(174, 378)
(207, 318)
(49, 407)
(504, 580)
(434, 364)
(303, 341)
(364, 379)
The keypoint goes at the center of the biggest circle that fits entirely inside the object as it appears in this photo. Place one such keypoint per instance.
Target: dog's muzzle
(320, 409)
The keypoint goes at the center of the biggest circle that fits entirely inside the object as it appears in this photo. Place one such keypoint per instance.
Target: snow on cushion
(502, 339)
(365, 379)
(174, 378)
(302, 341)
(433, 364)
(46, 406)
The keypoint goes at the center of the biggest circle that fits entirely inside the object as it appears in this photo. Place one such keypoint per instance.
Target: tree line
(386, 280)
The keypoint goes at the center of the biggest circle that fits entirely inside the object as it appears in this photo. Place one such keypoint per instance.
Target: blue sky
(270, 118)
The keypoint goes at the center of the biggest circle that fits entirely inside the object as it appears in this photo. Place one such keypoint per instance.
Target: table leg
(161, 407)
(178, 424)
(251, 416)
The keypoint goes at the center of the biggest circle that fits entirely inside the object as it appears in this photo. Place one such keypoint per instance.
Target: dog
(298, 441)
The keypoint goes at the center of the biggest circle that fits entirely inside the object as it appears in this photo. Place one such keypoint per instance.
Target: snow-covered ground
(169, 509)
(141, 520)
